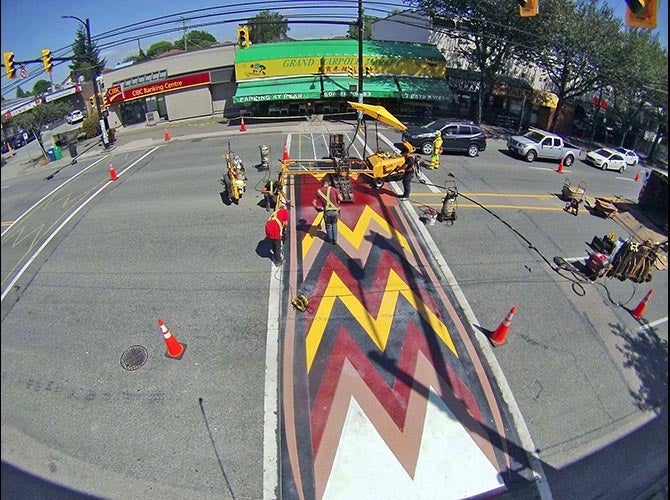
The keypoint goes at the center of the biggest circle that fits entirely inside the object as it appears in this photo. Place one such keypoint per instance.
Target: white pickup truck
(544, 145)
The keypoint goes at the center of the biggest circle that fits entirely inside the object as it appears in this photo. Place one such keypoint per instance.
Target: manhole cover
(134, 357)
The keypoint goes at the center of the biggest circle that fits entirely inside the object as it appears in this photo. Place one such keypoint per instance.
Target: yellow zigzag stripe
(354, 236)
(378, 329)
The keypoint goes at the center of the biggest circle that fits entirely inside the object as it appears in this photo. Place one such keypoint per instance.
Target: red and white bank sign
(116, 94)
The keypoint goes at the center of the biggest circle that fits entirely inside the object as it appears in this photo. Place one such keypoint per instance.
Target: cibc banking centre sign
(117, 94)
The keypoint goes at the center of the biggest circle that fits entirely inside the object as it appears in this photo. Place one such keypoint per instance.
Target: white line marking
(651, 325)
(271, 419)
(52, 192)
(68, 219)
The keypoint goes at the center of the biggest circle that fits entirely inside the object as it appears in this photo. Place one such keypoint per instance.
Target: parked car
(629, 155)
(75, 116)
(459, 137)
(606, 159)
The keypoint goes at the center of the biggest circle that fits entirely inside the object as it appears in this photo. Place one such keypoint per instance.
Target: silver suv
(460, 137)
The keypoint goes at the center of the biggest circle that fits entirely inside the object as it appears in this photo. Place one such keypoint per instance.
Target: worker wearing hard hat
(437, 150)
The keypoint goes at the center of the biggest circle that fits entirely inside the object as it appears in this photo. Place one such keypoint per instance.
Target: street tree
(352, 32)
(487, 35)
(577, 46)
(41, 87)
(86, 60)
(195, 39)
(21, 93)
(267, 26)
(33, 120)
(158, 48)
(642, 79)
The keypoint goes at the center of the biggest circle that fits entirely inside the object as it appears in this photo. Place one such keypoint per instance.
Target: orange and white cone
(112, 172)
(175, 350)
(559, 170)
(500, 334)
(285, 157)
(167, 135)
(639, 310)
(243, 127)
(637, 176)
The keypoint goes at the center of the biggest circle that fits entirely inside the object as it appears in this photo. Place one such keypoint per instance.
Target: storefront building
(278, 79)
(320, 76)
(187, 85)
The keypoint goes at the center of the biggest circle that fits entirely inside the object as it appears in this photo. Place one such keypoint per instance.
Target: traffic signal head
(350, 71)
(10, 65)
(641, 13)
(46, 60)
(243, 40)
(368, 71)
(528, 8)
(91, 101)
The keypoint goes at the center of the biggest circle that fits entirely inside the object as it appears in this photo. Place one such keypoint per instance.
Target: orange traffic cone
(175, 350)
(559, 170)
(285, 158)
(243, 127)
(499, 335)
(112, 172)
(639, 310)
(167, 135)
(637, 176)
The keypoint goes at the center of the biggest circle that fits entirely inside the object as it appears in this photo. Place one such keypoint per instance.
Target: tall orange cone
(499, 335)
(167, 135)
(559, 170)
(175, 350)
(637, 176)
(285, 157)
(639, 310)
(243, 127)
(112, 172)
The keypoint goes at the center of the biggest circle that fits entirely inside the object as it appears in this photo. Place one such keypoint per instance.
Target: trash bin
(58, 152)
(51, 154)
(72, 147)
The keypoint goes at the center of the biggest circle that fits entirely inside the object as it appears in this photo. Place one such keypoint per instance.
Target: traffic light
(46, 60)
(91, 101)
(350, 71)
(243, 40)
(528, 8)
(641, 13)
(368, 71)
(10, 65)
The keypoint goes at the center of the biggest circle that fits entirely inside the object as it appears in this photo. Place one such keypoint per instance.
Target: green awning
(424, 89)
(278, 89)
(374, 86)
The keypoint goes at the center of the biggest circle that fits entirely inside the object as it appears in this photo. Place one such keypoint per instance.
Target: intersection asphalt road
(575, 365)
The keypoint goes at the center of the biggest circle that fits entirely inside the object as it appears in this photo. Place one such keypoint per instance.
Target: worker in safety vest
(437, 151)
(327, 200)
(275, 228)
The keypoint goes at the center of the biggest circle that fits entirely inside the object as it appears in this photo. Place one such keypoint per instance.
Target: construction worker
(270, 192)
(327, 200)
(437, 151)
(409, 168)
(274, 229)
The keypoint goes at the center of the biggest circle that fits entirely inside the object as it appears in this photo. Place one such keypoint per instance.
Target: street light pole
(96, 92)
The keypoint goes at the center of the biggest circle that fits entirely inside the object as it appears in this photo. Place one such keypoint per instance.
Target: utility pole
(104, 126)
(183, 23)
